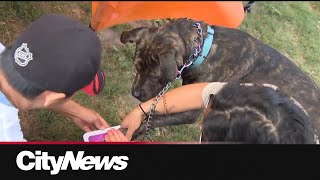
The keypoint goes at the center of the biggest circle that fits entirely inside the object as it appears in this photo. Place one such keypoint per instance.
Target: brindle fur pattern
(234, 55)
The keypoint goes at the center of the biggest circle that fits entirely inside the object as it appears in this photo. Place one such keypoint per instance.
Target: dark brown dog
(233, 55)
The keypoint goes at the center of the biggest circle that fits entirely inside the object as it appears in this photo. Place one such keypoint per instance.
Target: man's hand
(89, 120)
(84, 118)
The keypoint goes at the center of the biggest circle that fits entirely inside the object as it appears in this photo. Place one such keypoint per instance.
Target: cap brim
(97, 85)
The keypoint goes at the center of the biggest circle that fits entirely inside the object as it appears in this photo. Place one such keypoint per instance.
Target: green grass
(293, 28)
(21, 10)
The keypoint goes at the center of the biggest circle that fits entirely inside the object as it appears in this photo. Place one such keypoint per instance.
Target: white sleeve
(211, 88)
(2, 47)
(10, 129)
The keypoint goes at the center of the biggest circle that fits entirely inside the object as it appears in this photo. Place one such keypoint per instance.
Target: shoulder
(211, 88)
(10, 129)
(2, 47)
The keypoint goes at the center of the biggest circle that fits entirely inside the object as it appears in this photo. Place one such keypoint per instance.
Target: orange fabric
(109, 13)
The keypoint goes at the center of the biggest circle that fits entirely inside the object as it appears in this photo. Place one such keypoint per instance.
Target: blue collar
(205, 48)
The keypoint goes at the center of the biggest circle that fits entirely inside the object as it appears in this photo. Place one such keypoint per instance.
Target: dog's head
(159, 53)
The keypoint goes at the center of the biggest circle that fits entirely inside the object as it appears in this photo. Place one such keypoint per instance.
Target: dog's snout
(136, 93)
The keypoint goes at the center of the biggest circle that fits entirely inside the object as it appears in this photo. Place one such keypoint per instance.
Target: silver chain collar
(196, 51)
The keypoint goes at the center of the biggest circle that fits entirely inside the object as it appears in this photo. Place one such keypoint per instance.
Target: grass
(291, 27)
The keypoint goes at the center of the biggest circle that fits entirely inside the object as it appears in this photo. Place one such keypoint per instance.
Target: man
(51, 60)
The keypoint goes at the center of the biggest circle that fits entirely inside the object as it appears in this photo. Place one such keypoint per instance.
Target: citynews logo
(42, 161)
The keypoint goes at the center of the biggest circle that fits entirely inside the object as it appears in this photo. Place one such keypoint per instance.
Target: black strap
(247, 8)
(146, 115)
(210, 100)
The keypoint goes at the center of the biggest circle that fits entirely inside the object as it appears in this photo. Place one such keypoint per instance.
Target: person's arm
(84, 118)
(183, 98)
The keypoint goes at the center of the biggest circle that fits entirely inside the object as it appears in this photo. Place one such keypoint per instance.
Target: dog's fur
(255, 115)
(233, 55)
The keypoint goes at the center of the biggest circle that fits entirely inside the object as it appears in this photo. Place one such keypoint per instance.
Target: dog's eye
(152, 74)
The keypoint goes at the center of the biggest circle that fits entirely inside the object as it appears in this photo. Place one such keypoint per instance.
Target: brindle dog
(233, 55)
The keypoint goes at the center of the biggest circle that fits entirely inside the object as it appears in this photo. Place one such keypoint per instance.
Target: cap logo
(22, 55)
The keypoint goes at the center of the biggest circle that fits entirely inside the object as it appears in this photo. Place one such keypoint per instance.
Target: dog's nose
(136, 94)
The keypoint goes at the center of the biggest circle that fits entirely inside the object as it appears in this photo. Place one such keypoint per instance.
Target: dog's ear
(133, 35)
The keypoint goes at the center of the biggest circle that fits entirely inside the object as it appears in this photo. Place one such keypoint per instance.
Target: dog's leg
(188, 117)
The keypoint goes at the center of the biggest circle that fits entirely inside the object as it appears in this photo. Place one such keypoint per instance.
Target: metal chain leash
(153, 107)
(191, 60)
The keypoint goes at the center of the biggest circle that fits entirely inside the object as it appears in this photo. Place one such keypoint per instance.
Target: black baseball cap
(60, 54)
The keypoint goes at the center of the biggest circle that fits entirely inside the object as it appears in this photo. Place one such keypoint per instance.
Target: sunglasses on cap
(97, 85)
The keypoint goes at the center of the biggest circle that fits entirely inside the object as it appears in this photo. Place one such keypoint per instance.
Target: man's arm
(84, 118)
